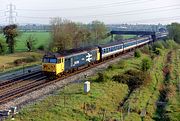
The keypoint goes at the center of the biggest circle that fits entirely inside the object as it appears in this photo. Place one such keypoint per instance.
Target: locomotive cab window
(53, 60)
(46, 60)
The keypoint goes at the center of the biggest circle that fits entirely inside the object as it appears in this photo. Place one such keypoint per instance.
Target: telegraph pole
(11, 12)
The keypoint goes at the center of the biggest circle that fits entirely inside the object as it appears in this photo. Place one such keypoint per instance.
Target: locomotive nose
(49, 67)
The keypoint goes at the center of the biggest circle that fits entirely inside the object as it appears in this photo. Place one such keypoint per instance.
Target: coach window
(104, 50)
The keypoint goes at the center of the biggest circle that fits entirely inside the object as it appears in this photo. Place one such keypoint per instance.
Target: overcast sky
(108, 11)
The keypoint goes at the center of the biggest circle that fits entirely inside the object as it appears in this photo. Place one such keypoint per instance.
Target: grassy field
(43, 39)
(7, 61)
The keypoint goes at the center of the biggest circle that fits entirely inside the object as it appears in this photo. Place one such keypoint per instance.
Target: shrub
(146, 49)
(137, 53)
(146, 64)
(3, 47)
(132, 78)
(122, 64)
(30, 59)
(158, 51)
(41, 47)
(111, 67)
(102, 77)
(158, 44)
(171, 44)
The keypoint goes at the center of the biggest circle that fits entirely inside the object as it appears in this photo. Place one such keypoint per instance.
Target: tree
(174, 32)
(99, 30)
(62, 34)
(3, 47)
(10, 32)
(31, 42)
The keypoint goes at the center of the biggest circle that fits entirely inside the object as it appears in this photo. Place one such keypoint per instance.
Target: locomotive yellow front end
(52, 65)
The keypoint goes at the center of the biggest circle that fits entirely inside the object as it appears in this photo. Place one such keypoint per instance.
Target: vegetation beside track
(17, 61)
(110, 100)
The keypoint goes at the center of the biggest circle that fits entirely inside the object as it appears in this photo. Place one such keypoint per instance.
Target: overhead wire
(93, 7)
(134, 12)
(155, 19)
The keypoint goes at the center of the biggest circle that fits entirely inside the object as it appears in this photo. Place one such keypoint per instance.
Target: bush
(158, 44)
(132, 78)
(41, 47)
(102, 77)
(3, 47)
(137, 53)
(146, 64)
(158, 51)
(30, 59)
(111, 67)
(122, 64)
(171, 44)
(146, 49)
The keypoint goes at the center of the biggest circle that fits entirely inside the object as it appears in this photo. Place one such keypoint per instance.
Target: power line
(155, 19)
(92, 7)
(140, 11)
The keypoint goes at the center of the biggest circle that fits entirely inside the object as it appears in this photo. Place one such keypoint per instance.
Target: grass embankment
(104, 102)
(11, 61)
(173, 104)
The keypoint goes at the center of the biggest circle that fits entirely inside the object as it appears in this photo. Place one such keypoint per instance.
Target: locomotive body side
(80, 59)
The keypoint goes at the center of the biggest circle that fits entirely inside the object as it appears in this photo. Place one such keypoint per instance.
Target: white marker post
(86, 87)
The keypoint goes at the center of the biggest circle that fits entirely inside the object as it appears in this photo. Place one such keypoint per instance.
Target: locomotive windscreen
(49, 60)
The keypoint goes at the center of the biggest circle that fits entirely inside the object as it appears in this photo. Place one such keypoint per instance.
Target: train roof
(116, 43)
(83, 49)
(77, 50)
(70, 52)
(120, 42)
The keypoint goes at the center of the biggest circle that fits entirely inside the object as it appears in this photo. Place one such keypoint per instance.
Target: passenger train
(67, 61)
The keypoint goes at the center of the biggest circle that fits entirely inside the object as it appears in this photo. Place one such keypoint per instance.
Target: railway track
(40, 82)
(17, 80)
(26, 84)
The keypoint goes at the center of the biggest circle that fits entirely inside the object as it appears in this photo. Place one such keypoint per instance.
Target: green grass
(173, 106)
(41, 37)
(146, 96)
(103, 96)
(7, 61)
